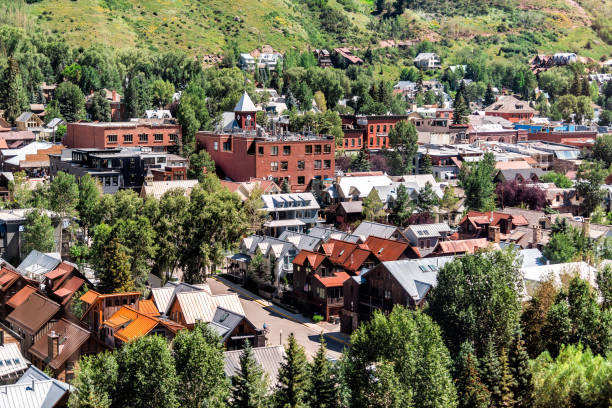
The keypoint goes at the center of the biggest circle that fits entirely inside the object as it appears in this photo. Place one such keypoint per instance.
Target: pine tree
(586, 86)
(490, 372)
(576, 86)
(507, 381)
(293, 378)
(426, 164)
(249, 384)
(323, 392)
(362, 161)
(519, 368)
(116, 276)
(471, 392)
(285, 186)
(14, 98)
(489, 97)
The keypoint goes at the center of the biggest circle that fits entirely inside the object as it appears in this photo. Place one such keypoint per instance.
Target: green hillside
(500, 27)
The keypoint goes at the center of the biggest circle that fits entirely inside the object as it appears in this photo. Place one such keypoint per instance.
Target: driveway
(281, 322)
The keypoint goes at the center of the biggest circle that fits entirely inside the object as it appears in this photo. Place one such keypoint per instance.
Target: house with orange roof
(390, 250)
(100, 307)
(317, 284)
(463, 247)
(492, 224)
(64, 281)
(128, 323)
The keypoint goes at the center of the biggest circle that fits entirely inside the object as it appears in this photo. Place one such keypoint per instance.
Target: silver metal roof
(269, 358)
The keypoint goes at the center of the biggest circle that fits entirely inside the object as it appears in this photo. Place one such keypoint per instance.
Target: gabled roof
(369, 228)
(201, 305)
(332, 233)
(21, 296)
(245, 104)
(300, 241)
(509, 104)
(333, 281)
(360, 185)
(7, 278)
(71, 338)
(68, 289)
(148, 307)
(225, 321)
(131, 324)
(34, 389)
(33, 313)
(429, 230)
(37, 264)
(468, 246)
(163, 297)
(12, 362)
(386, 249)
(269, 358)
(314, 259)
(89, 297)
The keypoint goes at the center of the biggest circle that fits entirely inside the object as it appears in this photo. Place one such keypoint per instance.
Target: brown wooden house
(317, 284)
(61, 347)
(11, 282)
(101, 307)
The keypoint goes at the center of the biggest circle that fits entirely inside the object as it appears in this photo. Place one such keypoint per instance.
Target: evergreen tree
(71, 101)
(462, 110)
(491, 373)
(489, 97)
(507, 382)
(362, 161)
(293, 380)
(471, 392)
(249, 385)
(402, 209)
(137, 96)
(426, 199)
(323, 392)
(576, 86)
(285, 186)
(100, 109)
(522, 388)
(372, 207)
(115, 275)
(403, 140)
(13, 96)
(426, 164)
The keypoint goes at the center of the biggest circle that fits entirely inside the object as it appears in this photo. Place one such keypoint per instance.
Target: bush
(317, 318)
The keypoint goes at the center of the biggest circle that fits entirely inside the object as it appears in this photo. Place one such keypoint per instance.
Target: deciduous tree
(476, 179)
(39, 233)
(95, 381)
(99, 108)
(403, 140)
(590, 177)
(71, 101)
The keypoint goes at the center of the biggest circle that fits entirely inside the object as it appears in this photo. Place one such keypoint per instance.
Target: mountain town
(294, 204)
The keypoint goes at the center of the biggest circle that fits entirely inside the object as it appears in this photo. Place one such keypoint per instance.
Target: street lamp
(280, 335)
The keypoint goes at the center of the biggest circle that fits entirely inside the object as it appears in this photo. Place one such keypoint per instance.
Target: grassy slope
(203, 26)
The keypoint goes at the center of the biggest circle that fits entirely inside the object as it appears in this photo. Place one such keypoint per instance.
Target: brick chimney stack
(537, 235)
(53, 344)
(494, 234)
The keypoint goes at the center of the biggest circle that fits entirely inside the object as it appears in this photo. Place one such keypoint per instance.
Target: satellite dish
(248, 117)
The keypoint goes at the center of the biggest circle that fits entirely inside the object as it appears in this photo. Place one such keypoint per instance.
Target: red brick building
(512, 109)
(105, 135)
(491, 133)
(242, 153)
(371, 131)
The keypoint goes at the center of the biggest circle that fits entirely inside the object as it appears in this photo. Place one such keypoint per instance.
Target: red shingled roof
(386, 249)
(314, 259)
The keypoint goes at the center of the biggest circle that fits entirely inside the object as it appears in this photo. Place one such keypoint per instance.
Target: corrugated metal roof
(463, 246)
(51, 391)
(36, 264)
(368, 228)
(386, 249)
(34, 313)
(90, 296)
(429, 230)
(148, 307)
(202, 306)
(417, 277)
(12, 362)
(269, 358)
(164, 296)
(71, 338)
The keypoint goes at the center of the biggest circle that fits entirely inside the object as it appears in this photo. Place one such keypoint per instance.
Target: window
(107, 181)
(284, 165)
(384, 128)
(128, 138)
(371, 141)
(346, 142)
(260, 150)
(227, 145)
(286, 150)
(358, 142)
(112, 138)
(308, 149)
(173, 137)
(161, 159)
(317, 164)
(321, 293)
(274, 150)
(334, 293)
(274, 166)
(387, 294)
(301, 164)
(371, 128)
(317, 149)
(158, 137)
(115, 180)
(301, 180)
(377, 128)
(326, 164)
(327, 149)
(143, 137)
(352, 142)
(215, 146)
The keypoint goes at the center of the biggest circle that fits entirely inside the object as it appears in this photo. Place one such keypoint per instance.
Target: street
(282, 322)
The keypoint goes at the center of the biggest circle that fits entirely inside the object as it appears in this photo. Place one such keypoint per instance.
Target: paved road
(260, 311)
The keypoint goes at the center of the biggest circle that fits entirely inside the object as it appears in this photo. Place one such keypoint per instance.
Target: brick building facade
(242, 153)
(371, 131)
(159, 136)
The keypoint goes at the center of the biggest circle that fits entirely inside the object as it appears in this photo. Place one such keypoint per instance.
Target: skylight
(380, 250)
(341, 252)
(423, 268)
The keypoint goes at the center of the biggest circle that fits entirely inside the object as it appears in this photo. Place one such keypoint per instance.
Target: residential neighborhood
(305, 204)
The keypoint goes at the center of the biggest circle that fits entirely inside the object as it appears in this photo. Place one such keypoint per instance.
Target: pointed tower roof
(245, 104)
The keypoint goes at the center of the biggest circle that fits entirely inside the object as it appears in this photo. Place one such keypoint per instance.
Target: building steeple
(244, 112)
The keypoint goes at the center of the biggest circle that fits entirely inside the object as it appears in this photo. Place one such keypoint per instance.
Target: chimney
(53, 344)
(537, 235)
(586, 226)
(494, 234)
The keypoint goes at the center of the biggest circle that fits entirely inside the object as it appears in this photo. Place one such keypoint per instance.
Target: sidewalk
(325, 328)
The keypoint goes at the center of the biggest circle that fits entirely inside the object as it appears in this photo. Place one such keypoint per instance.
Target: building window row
(346, 142)
(318, 149)
(301, 165)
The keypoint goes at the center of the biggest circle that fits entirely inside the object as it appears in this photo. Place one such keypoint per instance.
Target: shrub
(317, 318)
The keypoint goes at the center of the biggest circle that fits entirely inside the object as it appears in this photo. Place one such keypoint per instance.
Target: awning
(284, 223)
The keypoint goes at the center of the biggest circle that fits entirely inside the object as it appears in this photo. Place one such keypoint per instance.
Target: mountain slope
(206, 26)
